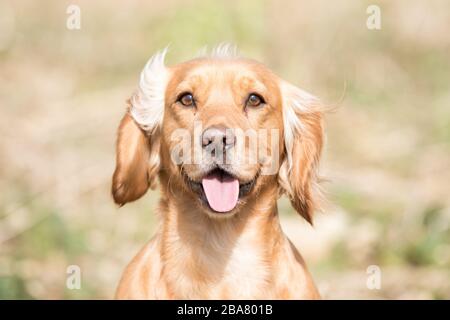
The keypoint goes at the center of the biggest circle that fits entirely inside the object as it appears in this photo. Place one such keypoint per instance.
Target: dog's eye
(186, 99)
(254, 100)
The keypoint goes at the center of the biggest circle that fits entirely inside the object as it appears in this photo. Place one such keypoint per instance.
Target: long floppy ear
(138, 139)
(134, 173)
(303, 136)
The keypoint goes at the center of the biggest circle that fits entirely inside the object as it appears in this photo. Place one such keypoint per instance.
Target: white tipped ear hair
(147, 104)
(303, 136)
(138, 139)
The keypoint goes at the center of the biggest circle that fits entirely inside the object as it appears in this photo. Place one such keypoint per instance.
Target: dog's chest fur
(218, 268)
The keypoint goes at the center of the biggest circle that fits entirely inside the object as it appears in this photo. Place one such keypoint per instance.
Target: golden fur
(243, 254)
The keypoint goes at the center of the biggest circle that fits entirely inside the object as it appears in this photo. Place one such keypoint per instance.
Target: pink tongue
(221, 191)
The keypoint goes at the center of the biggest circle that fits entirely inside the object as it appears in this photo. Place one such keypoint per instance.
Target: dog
(219, 235)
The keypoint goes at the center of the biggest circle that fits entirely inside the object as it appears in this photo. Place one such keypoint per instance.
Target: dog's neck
(200, 249)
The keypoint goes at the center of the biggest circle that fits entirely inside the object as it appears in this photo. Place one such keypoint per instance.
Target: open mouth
(220, 190)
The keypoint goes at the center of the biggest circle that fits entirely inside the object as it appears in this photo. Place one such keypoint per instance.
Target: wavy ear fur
(137, 162)
(303, 136)
(138, 139)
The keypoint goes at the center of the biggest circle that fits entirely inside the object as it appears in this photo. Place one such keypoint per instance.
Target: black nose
(218, 138)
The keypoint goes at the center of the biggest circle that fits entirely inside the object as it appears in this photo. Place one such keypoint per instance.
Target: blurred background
(387, 160)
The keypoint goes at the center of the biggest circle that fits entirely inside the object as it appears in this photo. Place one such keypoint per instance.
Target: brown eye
(186, 99)
(254, 100)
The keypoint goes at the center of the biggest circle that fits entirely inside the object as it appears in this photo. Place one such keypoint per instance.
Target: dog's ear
(303, 138)
(137, 162)
(138, 140)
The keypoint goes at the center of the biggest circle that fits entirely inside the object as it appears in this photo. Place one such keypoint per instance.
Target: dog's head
(219, 129)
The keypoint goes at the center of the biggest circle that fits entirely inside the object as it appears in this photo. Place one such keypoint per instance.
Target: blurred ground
(387, 160)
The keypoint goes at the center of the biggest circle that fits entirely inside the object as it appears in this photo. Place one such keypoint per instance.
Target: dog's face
(218, 117)
(222, 129)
